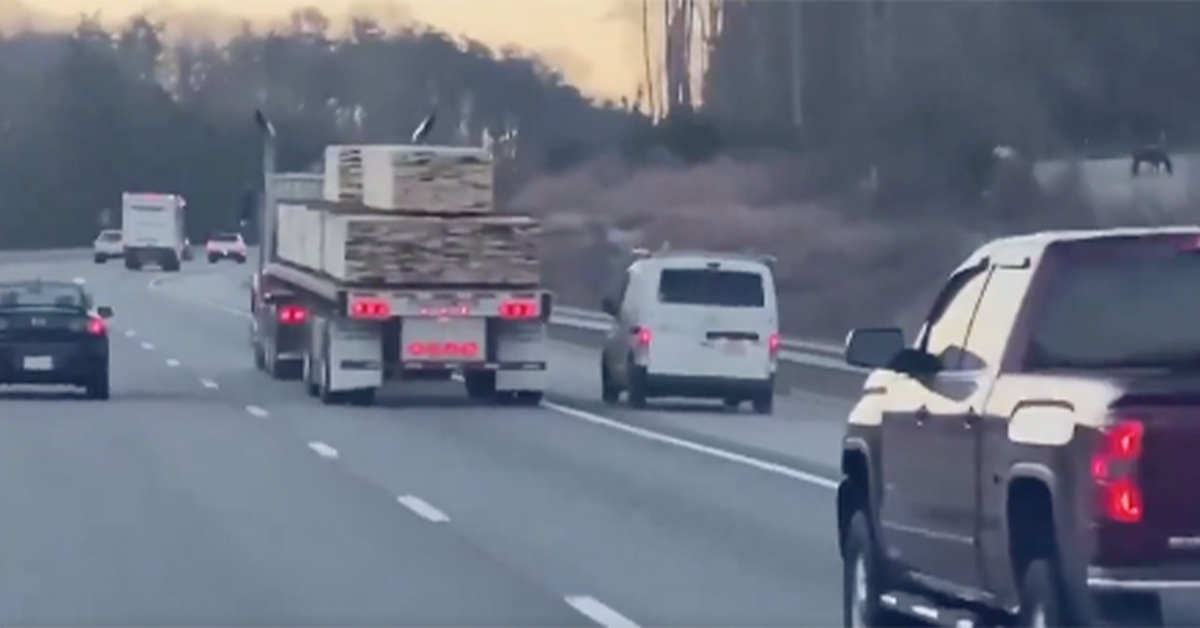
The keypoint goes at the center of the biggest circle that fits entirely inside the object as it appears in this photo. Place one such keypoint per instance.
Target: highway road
(204, 493)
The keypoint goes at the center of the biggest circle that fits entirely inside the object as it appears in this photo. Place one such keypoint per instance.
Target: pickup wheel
(863, 578)
(1043, 601)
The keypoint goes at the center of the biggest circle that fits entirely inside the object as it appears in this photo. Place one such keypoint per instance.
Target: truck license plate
(451, 340)
(38, 363)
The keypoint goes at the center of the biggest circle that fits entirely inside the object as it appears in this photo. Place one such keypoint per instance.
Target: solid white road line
(599, 612)
(761, 465)
(323, 450)
(257, 411)
(422, 508)
(172, 362)
(209, 384)
(147, 346)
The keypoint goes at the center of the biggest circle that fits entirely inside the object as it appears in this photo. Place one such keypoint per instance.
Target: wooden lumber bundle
(417, 179)
(396, 249)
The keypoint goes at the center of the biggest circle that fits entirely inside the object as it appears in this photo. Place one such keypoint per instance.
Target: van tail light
(96, 327)
(642, 334)
(773, 345)
(1114, 469)
(292, 314)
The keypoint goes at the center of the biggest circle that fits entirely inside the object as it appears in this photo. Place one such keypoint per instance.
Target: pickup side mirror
(104, 311)
(874, 347)
(609, 306)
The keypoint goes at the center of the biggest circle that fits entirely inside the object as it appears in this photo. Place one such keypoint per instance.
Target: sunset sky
(594, 42)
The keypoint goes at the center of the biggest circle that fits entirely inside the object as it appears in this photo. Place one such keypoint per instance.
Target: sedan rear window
(42, 295)
(1120, 313)
(720, 288)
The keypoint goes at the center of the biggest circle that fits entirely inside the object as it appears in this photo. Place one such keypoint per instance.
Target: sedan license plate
(38, 363)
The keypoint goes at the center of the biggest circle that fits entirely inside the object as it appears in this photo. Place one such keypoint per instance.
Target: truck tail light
(518, 309)
(292, 314)
(370, 308)
(1114, 469)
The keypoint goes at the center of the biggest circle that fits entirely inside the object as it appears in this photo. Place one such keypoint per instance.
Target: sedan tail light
(96, 327)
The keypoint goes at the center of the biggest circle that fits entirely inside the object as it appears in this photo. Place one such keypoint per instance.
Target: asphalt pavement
(204, 493)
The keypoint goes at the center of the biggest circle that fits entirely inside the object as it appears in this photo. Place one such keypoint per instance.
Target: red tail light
(370, 308)
(96, 327)
(773, 345)
(519, 309)
(643, 337)
(292, 314)
(1114, 468)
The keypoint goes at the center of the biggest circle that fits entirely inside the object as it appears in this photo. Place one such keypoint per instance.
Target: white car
(226, 246)
(693, 324)
(107, 246)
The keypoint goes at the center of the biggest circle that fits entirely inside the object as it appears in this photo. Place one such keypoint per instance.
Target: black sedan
(50, 334)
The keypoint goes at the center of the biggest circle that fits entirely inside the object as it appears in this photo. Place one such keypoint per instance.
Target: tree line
(911, 89)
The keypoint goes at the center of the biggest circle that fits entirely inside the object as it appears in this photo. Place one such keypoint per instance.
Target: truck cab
(1031, 457)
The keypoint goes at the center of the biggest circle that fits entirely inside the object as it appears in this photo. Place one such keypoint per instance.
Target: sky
(595, 43)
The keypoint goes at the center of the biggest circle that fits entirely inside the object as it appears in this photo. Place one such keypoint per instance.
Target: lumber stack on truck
(410, 215)
(423, 179)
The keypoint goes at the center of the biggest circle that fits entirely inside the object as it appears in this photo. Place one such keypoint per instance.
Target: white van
(693, 324)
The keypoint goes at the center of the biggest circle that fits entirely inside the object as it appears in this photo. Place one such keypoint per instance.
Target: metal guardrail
(806, 352)
(809, 353)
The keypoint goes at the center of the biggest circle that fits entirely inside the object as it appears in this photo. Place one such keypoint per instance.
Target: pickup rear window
(1120, 313)
(720, 288)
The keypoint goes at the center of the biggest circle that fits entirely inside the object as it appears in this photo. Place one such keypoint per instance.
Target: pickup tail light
(292, 315)
(1114, 469)
(96, 327)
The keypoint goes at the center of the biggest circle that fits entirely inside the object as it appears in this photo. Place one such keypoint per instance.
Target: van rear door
(713, 319)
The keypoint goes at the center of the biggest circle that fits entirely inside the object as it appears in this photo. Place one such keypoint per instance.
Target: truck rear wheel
(480, 385)
(132, 263)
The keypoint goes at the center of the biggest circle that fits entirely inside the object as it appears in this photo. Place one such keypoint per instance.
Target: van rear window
(1120, 312)
(721, 288)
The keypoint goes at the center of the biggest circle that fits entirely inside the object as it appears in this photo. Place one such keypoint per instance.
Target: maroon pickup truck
(1033, 458)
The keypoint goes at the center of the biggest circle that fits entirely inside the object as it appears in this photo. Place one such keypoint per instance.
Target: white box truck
(152, 227)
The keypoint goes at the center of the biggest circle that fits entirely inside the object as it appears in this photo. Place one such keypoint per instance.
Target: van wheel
(1043, 602)
(764, 403)
(609, 392)
(637, 386)
(863, 579)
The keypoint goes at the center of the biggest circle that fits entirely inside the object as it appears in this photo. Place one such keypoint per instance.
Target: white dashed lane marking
(147, 346)
(211, 385)
(323, 450)
(422, 508)
(599, 612)
(129, 333)
(172, 362)
(257, 411)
